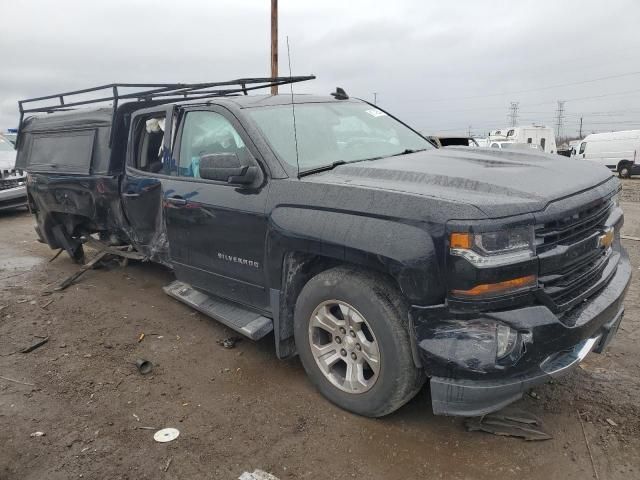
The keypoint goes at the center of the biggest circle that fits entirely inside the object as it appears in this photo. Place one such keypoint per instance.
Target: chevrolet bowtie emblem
(606, 239)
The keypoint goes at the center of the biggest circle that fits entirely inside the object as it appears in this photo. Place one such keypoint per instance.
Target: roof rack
(147, 92)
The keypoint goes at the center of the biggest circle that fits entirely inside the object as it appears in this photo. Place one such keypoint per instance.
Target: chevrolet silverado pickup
(381, 261)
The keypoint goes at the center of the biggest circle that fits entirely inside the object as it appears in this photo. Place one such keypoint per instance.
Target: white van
(617, 150)
(535, 135)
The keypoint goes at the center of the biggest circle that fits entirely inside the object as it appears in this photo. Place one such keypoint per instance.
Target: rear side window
(149, 144)
(583, 147)
(529, 140)
(510, 133)
(543, 142)
(69, 152)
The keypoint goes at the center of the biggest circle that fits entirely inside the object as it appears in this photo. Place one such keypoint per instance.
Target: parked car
(453, 141)
(13, 188)
(618, 151)
(379, 260)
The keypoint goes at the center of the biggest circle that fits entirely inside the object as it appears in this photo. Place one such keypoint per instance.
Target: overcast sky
(441, 66)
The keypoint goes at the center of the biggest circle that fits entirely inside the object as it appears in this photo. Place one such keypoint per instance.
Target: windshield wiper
(337, 163)
(323, 168)
(408, 151)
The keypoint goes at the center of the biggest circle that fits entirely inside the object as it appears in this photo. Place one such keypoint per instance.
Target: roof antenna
(293, 108)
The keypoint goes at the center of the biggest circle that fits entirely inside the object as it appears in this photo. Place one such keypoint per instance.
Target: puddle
(18, 263)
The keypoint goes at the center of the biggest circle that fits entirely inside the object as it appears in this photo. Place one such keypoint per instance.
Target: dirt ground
(241, 409)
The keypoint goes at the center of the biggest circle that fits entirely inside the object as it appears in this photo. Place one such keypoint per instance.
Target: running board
(240, 319)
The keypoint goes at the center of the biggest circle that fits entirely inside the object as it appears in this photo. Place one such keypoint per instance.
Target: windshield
(6, 145)
(334, 132)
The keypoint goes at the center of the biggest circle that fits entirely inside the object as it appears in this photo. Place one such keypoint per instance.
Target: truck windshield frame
(333, 133)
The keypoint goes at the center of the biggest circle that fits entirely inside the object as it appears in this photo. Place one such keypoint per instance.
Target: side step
(240, 319)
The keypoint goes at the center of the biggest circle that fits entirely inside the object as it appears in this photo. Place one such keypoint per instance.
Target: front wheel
(353, 340)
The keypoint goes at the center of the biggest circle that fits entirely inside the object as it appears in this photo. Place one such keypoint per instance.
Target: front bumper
(13, 197)
(459, 354)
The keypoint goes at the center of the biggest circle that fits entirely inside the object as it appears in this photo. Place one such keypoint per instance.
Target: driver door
(217, 230)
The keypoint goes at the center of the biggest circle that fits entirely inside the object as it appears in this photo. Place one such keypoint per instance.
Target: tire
(375, 319)
(624, 170)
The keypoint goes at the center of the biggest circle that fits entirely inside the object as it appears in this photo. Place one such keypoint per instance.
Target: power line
(537, 89)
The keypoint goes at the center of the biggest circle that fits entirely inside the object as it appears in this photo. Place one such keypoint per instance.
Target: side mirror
(227, 167)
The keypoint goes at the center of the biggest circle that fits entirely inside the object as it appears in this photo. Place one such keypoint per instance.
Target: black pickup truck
(381, 261)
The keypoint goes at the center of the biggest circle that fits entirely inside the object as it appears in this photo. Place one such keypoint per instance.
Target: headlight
(492, 249)
(495, 263)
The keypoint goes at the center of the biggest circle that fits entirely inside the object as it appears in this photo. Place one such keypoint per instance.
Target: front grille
(572, 228)
(566, 279)
(8, 183)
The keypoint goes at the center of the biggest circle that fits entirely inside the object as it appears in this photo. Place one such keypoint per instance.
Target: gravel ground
(241, 409)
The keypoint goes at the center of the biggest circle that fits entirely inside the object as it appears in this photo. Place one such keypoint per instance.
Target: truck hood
(498, 182)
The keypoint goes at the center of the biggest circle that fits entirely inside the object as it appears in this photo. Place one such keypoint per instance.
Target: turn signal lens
(494, 289)
(461, 240)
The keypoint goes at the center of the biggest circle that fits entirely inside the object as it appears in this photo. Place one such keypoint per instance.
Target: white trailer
(534, 134)
(616, 150)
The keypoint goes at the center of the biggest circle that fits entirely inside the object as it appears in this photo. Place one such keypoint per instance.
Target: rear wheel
(624, 170)
(352, 337)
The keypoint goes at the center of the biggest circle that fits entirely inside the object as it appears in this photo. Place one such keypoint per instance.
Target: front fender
(405, 251)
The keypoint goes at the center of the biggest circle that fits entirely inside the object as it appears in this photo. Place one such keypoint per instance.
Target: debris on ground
(140, 337)
(586, 442)
(144, 366)
(229, 342)
(166, 435)
(44, 307)
(37, 434)
(104, 250)
(510, 422)
(32, 347)
(88, 266)
(257, 475)
(17, 381)
(611, 422)
(168, 464)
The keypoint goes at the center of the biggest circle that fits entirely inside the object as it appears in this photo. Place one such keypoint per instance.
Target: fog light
(506, 339)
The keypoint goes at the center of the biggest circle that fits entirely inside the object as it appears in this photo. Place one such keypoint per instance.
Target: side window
(149, 144)
(583, 147)
(511, 133)
(543, 142)
(205, 133)
(529, 140)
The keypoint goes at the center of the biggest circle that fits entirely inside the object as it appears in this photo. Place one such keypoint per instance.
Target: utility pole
(274, 44)
(469, 131)
(513, 113)
(375, 98)
(580, 134)
(559, 118)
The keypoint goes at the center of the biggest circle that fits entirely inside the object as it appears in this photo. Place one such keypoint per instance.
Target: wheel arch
(302, 243)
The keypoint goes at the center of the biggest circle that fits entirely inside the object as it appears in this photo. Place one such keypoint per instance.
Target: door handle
(176, 201)
(131, 195)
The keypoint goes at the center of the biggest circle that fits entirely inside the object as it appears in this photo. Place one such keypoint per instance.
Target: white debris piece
(37, 434)
(257, 475)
